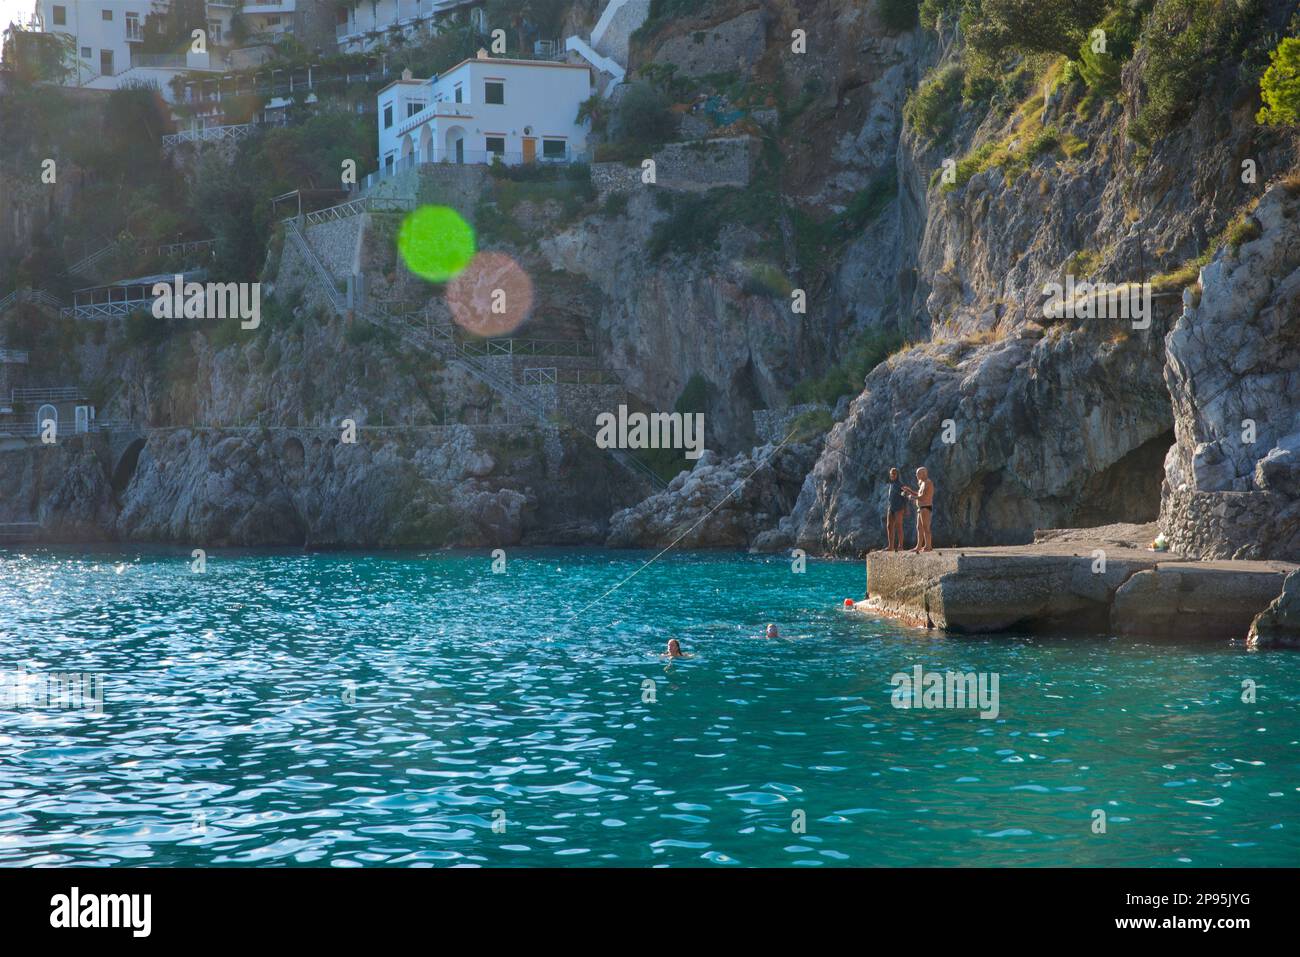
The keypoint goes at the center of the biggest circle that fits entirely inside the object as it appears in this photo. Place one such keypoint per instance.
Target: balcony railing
(465, 158)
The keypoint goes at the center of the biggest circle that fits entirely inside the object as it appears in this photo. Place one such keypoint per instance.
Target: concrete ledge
(1062, 585)
(1216, 600)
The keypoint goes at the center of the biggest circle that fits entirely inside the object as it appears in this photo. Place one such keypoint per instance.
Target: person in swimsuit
(923, 496)
(895, 506)
(674, 650)
(773, 631)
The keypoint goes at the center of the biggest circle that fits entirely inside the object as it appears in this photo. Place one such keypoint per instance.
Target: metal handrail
(322, 274)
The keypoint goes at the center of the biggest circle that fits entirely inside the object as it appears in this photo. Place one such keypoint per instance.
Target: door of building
(530, 149)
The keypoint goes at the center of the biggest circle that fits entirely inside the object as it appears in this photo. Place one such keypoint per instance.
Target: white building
(521, 111)
(364, 25)
(106, 37)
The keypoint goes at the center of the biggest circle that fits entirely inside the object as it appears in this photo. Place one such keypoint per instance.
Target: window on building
(106, 14)
(413, 107)
(460, 94)
(133, 26)
(106, 62)
(388, 116)
(214, 31)
(273, 21)
(496, 145)
(388, 160)
(60, 16)
(86, 53)
(554, 149)
(494, 91)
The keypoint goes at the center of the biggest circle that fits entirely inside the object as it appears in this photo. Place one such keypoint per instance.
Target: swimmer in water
(675, 650)
(773, 631)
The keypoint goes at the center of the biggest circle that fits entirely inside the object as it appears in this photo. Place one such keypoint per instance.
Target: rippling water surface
(416, 709)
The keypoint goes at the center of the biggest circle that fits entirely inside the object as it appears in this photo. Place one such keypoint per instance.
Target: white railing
(211, 134)
(38, 297)
(465, 158)
(58, 394)
(355, 207)
(602, 63)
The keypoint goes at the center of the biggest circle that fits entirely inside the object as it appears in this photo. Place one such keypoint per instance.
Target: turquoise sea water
(417, 709)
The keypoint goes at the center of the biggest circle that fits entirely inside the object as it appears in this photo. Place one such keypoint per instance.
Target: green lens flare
(435, 243)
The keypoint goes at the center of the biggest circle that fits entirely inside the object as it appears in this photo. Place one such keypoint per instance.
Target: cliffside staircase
(416, 326)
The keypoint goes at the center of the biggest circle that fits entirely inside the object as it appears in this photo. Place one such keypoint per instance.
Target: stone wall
(692, 166)
(773, 425)
(734, 44)
(450, 184)
(335, 243)
(1232, 479)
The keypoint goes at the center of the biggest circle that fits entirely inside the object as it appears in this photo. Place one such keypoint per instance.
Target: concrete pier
(1072, 581)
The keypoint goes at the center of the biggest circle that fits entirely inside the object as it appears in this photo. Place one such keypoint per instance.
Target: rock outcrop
(1232, 480)
(1032, 431)
(719, 503)
(1278, 625)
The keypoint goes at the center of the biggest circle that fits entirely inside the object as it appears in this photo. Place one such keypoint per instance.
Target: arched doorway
(47, 413)
(426, 144)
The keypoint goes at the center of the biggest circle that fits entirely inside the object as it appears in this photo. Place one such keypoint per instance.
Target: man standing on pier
(894, 508)
(923, 496)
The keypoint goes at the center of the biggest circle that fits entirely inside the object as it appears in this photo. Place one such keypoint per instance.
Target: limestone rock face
(265, 488)
(1232, 480)
(730, 45)
(742, 497)
(1278, 625)
(1024, 433)
(63, 487)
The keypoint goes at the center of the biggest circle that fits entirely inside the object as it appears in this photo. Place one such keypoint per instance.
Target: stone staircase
(416, 326)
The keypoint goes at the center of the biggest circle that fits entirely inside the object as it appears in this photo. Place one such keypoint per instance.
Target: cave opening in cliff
(125, 468)
(1127, 491)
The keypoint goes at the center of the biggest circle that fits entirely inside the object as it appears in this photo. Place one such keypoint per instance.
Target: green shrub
(808, 425)
(1100, 68)
(1186, 42)
(846, 377)
(615, 204)
(645, 117)
(931, 109)
(995, 28)
(1279, 87)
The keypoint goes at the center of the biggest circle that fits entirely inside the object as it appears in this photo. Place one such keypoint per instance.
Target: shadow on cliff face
(1128, 491)
(124, 470)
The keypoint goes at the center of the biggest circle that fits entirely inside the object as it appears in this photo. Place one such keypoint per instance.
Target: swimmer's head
(772, 632)
(893, 474)
(921, 473)
(674, 646)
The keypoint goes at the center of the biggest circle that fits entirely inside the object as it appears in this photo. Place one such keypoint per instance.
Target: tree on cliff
(997, 27)
(1279, 87)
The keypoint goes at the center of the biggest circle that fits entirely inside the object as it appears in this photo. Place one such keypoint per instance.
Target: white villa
(521, 111)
